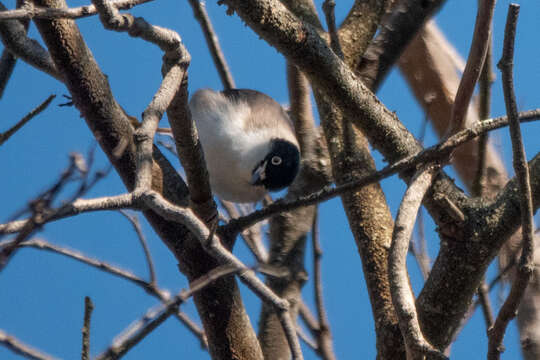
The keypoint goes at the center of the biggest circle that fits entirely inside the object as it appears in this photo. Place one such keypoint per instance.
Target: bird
(248, 142)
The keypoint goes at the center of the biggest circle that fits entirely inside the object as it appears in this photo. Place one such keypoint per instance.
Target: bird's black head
(280, 166)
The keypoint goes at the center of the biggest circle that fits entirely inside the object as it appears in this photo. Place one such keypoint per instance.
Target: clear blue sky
(42, 294)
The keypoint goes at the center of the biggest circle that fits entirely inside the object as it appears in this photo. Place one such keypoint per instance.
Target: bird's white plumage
(235, 140)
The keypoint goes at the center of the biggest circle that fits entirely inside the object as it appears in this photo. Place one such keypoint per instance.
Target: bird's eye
(276, 160)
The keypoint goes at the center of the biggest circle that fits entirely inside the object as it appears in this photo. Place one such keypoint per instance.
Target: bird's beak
(259, 174)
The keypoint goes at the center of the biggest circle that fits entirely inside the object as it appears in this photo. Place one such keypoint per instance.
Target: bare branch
(8, 60)
(6, 135)
(416, 345)
(134, 221)
(475, 62)
(407, 18)
(485, 303)
(150, 288)
(306, 339)
(36, 12)
(324, 336)
(300, 110)
(13, 36)
(79, 206)
(88, 308)
(39, 208)
(328, 8)
(433, 69)
(191, 155)
(484, 110)
(22, 349)
(252, 236)
(526, 262)
(137, 331)
(213, 245)
(199, 10)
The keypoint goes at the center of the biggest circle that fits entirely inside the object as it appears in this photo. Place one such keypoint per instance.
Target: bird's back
(235, 128)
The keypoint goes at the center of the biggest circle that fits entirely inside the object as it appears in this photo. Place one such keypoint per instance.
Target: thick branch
(13, 36)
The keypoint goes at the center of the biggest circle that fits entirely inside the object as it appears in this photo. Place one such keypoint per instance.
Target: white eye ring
(276, 160)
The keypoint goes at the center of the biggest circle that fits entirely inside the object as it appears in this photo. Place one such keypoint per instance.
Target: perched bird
(248, 142)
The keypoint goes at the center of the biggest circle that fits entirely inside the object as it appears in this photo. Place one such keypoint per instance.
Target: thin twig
(199, 10)
(306, 339)
(40, 208)
(485, 303)
(402, 297)
(6, 135)
(502, 274)
(308, 317)
(137, 331)
(124, 201)
(35, 12)
(526, 263)
(324, 336)
(88, 308)
(252, 236)
(150, 288)
(484, 111)
(134, 220)
(328, 8)
(475, 61)
(19, 348)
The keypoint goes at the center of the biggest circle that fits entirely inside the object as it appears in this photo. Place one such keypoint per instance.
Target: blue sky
(43, 294)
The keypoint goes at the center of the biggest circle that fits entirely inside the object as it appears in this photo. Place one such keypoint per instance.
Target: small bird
(248, 142)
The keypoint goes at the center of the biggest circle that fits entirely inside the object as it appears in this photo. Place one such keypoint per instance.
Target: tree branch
(325, 346)
(199, 11)
(137, 331)
(402, 296)
(29, 11)
(22, 349)
(13, 36)
(7, 134)
(406, 19)
(475, 62)
(149, 287)
(526, 263)
(88, 308)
